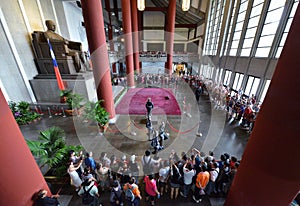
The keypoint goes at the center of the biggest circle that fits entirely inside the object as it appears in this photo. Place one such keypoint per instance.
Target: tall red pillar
(269, 170)
(141, 32)
(126, 14)
(170, 35)
(135, 35)
(93, 19)
(20, 176)
(110, 33)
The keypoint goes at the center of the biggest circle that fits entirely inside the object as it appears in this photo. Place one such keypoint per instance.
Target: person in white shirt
(213, 175)
(86, 185)
(163, 177)
(188, 174)
(148, 163)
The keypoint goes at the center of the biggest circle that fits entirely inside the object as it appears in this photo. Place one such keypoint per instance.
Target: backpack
(147, 167)
(129, 194)
(87, 198)
(117, 197)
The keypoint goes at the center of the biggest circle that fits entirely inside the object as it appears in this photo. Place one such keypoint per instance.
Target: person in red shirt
(151, 189)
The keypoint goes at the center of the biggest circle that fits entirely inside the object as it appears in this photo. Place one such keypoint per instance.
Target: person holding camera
(75, 179)
(44, 200)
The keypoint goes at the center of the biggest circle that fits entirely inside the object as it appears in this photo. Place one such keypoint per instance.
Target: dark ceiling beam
(162, 9)
(189, 26)
(186, 26)
(196, 13)
(114, 10)
(153, 28)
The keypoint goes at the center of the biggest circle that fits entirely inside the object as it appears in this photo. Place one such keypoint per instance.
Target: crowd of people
(238, 106)
(191, 175)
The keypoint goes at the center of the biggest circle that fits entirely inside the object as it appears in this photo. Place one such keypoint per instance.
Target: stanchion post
(49, 111)
(63, 112)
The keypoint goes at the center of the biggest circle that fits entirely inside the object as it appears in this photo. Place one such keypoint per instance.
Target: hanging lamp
(141, 5)
(185, 5)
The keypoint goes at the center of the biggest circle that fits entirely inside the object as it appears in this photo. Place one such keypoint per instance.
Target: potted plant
(73, 100)
(89, 112)
(64, 94)
(101, 115)
(22, 113)
(51, 151)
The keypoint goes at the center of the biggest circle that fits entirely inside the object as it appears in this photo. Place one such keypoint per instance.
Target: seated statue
(74, 48)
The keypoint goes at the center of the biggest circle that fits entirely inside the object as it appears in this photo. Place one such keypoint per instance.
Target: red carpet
(134, 102)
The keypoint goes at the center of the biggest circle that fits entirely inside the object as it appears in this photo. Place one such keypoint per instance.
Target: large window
(252, 27)
(287, 28)
(252, 86)
(217, 75)
(238, 27)
(264, 92)
(238, 80)
(227, 77)
(214, 27)
(207, 71)
(230, 28)
(220, 76)
(270, 27)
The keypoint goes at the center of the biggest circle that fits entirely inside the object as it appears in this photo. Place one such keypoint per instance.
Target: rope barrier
(184, 132)
(116, 130)
(137, 126)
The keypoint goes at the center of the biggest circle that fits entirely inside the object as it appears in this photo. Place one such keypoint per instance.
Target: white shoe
(199, 134)
(194, 198)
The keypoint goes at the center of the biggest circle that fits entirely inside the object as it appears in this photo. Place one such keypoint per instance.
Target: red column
(110, 32)
(269, 170)
(126, 14)
(141, 32)
(20, 176)
(93, 19)
(135, 35)
(170, 35)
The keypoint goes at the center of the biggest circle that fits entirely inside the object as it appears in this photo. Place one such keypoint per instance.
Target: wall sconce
(185, 5)
(141, 5)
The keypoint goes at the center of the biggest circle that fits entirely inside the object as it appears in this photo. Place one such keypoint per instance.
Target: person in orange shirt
(135, 190)
(201, 182)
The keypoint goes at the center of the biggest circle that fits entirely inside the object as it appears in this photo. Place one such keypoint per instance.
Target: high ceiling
(191, 17)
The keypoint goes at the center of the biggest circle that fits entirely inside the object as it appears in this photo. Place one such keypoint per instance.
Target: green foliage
(51, 149)
(13, 106)
(101, 115)
(22, 113)
(73, 99)
(96, 112)
(89, 111)
(65, 93)
(23, 107)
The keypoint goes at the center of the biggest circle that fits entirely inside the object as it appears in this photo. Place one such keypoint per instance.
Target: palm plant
(74, 100)
(51, 149)
(101, 115)
(89, 111)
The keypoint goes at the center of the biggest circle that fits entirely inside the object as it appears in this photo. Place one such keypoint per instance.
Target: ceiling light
(141, 5)
(185, 5)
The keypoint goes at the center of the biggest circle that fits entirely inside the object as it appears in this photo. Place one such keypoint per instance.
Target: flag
(60, 83)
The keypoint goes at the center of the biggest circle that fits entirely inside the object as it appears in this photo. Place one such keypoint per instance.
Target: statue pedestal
(46, 89)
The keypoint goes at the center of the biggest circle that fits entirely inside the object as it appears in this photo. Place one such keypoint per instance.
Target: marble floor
(128, 135)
